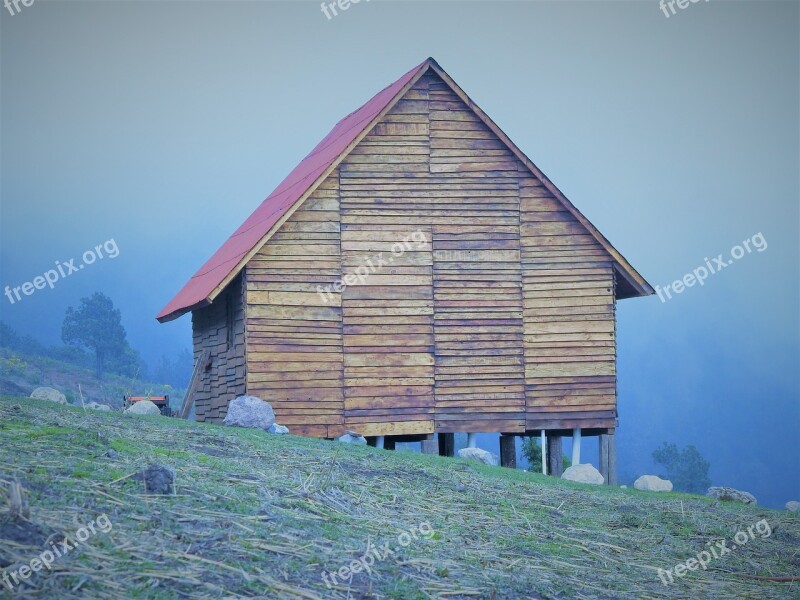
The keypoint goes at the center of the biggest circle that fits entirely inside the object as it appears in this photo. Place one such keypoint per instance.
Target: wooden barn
(415, 274)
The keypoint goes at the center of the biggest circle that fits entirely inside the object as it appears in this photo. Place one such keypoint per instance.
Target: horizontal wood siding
(474, 200)
(220, 329)
(568, 295)
(294, 332)
(387, 310)
(472, 299)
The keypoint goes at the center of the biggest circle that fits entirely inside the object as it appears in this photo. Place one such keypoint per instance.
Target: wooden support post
(612, 459)
(555, 455)
(576, 446)
(608, 457)
(508, 451)
(430, 446)
(389, 443)
(602, 444)
(447, 444)
(543, 445)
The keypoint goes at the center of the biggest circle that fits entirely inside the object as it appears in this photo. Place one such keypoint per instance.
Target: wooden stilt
(447, 444)
(603, 456)
(608, 457)
(576, 446)
(508, 451)
(555, 455)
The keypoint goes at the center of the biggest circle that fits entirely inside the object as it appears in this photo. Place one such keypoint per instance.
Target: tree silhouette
(686, 469)
(97, 326)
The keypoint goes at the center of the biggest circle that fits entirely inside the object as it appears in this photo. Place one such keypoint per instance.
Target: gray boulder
(793, 505)
(728, 494)
(651, 483)
(585, 473)
(279, 429)
(250, 411)
(97, 406)
(159, 479)
(480, 455)
(351, 437)
(48, 393)
(142, 407)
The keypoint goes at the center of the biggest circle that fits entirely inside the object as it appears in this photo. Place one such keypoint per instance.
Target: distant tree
(532, 450)
(175, 371)
(128, 363)
(97, 326)
(8, 337)
(25, 344)
(686, 469)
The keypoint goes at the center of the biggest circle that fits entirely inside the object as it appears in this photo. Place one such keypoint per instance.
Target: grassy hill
(264, 515)
(21, 373)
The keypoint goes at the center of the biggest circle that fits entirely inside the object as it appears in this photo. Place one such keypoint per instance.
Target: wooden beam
(555, 456)
(608, 458)
(508, 451)
(197, 376)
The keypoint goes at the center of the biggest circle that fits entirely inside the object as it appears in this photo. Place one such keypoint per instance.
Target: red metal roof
(198, 290)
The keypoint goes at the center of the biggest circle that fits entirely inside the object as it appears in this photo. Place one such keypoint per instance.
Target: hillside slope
(21, 373)
(265, 515)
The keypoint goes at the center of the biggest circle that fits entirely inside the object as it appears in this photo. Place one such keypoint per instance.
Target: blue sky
(163, 125)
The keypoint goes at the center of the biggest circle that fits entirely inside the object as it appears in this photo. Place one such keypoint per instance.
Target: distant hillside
(262, 515)
(21, 373)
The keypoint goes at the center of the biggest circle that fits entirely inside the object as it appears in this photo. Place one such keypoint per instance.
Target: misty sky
(162, 125)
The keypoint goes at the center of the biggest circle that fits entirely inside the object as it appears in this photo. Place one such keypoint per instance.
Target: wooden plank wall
(226, 377)
(477, 275)
(495, 314)
(294, 332)
(568, 289)
(388, 315)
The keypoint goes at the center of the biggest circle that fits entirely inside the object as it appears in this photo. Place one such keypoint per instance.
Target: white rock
(351, 437)
(48, 393)
(97, 406)
(652, 483)
(280, 429)
(729, 494)
(793, 505)
(480, 455)
(250, 411)
(142, 407)
(624, 487)
(584, 473)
